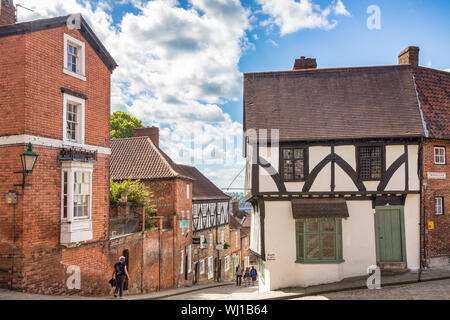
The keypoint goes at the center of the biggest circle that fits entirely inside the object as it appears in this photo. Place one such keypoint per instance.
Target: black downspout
(423, 213)
(13, 245)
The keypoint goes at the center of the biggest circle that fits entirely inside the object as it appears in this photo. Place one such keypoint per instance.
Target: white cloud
(175, 66)
(339, 9)
(291, 16)
(273, 42)
(448, 70)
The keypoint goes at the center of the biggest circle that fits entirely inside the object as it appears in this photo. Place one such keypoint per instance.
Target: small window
(210, 267)
(222, 236)
(227, 263)
(236, 239)
(73, 120)
(74, 57)
(293, 164)
(370, 163)
(189, 256)
(439, 206)
(202, 266)
(187, 191)
(211, 240)
(318, 240)
(182, 221)
(202, 241)
(439, 155)
(245, 244)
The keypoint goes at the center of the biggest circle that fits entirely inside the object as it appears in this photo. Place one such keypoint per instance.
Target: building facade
(337, 188)
(54, 95)
(210, 226)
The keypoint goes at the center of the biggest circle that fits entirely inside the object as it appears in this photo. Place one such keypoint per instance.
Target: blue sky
(181, 63)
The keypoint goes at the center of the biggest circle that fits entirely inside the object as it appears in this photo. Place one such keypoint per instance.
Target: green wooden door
(389, 233)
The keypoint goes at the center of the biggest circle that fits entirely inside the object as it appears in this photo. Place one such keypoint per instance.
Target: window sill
(74, 74)
(320, 262)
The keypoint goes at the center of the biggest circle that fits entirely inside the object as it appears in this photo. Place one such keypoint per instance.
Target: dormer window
(74, 57)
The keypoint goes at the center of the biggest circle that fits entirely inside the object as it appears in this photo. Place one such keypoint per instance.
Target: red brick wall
(12, 85)
(437, 240)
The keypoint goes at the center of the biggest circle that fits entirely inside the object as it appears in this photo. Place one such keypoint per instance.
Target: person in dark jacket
(253, 274)
(238, 275)
(120, 273)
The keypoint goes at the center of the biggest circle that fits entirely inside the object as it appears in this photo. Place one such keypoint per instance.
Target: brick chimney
(235, 207)
(151, 132)
(7, 12)
(305, 63)
(409, 56)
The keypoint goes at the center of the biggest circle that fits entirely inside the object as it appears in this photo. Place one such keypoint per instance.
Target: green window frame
(319, 240)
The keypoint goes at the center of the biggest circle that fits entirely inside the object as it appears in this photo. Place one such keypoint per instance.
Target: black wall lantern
(28, 162)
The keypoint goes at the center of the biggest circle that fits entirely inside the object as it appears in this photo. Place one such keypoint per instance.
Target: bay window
(76, 202)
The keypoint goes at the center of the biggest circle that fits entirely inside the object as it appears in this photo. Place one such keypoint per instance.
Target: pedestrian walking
(247, 277)
(238, 275)
(253, 274)
(120, 273)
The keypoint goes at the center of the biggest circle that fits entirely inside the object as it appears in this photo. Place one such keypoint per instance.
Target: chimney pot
(409, 56)
(151, 132)
(7, 12)
(305, 63)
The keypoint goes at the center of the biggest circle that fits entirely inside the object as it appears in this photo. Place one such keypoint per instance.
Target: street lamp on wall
(28, 161)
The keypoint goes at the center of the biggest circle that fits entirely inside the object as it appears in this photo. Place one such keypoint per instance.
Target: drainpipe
(423, 213)
(13, 246)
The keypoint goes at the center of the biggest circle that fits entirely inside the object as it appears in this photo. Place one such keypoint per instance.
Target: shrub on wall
(137, 194)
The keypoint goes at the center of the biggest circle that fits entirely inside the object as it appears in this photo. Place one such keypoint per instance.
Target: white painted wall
(322, 183)
(342, 181)
(348, 153)
(358, 240)
(317, 154)
(413, 156)
(393, 153)
(397, 182)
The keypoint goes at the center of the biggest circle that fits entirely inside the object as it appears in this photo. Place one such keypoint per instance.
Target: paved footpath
(430, 290)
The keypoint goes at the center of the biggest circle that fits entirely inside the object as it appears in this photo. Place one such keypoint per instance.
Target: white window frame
(227, 262)
(439, 204)
(181, 261)
(81, 72)
(187, 191)
(188, 219)
(236, 239)
(211, 239)
(210, 267)
(81, 120)
(202, 266)
(202, 240)
(188, 251)
(222, 236)
(71, 168)
(439, 158)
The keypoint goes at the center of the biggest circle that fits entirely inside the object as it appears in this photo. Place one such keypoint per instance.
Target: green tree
(123, 125)
(137, 193)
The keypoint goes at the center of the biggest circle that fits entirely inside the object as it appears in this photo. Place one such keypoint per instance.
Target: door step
(392, 265)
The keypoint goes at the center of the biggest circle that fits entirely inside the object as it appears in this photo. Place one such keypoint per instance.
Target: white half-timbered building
(333, 172)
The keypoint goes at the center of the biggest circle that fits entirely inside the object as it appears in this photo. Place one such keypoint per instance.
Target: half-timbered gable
(334, 171)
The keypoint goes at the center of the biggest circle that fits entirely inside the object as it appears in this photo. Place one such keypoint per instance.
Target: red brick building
(54, 94)
(433, 87)
(141, 158)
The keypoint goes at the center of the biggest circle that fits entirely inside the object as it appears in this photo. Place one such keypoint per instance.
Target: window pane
(312, 246)
(298, 153)
(328, 246)
(287, 153)
(300, 226)
(370, 162)
(375, 167)
(300, 253)
(329, 226)
(312, 226)
(365, 168)
(299, 169)
(288, 170)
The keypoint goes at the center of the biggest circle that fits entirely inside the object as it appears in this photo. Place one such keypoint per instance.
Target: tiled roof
(234, 223)
(433, 88)
(203, 188)
(139, 158)
(342, 103)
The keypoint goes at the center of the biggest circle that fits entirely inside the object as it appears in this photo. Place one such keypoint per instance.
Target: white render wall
(358, 240)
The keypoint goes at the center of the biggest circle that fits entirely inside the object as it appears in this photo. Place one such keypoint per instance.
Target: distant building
(210, 226)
